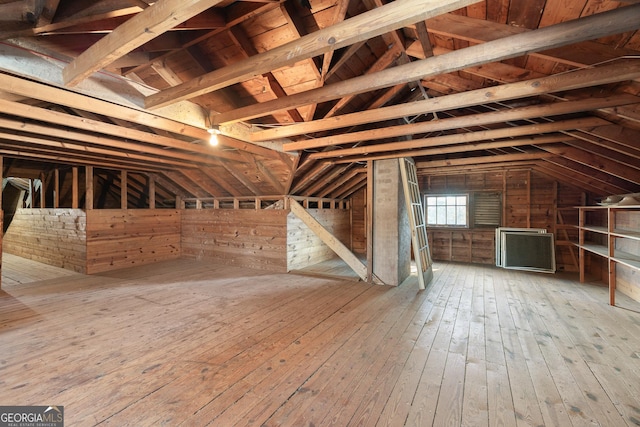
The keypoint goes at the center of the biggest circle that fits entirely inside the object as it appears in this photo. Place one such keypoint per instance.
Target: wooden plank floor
(194, 344)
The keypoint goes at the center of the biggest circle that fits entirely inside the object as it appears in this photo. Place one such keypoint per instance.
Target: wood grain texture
(52, 236)
(119, 238)
(202, 343)
(239, 237)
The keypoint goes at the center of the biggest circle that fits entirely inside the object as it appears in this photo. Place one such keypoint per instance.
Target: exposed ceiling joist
(594, 26)
(361, 27)
(623, 70)
(148, 24)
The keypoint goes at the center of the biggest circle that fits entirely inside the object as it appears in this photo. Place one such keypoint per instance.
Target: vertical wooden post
(74, 187)
(123, 190)
(369, 221)
(1, 179)
(179, 203)
(31, 193)
(1, 214)
(152, 192)
(43, 199)
(56, 188)
(88, 196)
(529, 198)
(611, 265)
(503, 222)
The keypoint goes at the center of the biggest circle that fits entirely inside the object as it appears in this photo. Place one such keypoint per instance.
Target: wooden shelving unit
(603, 237)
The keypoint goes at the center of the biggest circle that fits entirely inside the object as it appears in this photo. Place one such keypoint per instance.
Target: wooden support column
(56, 188)
(88, 195)
(123, 190)
(368, 221)
(74, 188)
(43, 198)
(152, 192)
(529, 198)
(1, 214)
(391, 229)
(31, 193)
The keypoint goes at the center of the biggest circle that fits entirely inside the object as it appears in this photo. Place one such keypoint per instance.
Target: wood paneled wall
(240, 237)
(304, 248)
(119, 238)
(52, 236)
(476, 246)
(529, 199)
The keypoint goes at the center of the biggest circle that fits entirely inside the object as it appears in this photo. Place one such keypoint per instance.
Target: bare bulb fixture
(213, 138)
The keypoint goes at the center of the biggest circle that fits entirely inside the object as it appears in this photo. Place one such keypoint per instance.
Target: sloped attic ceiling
(306, 92)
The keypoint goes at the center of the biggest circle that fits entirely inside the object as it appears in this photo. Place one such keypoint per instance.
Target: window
(447, 210)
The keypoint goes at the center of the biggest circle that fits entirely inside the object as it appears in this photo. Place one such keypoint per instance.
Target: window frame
(467, 205)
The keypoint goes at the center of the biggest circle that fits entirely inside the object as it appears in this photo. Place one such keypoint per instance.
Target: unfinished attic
(321, 212)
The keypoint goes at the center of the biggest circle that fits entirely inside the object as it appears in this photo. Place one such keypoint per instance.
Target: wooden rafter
(148, 24)
(362, 27)
(611, 22)
(501, 116)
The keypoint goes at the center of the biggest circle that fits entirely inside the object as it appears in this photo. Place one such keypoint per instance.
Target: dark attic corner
(320, 212)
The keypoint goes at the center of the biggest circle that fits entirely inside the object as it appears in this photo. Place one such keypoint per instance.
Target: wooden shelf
(595, 229)
(627, 259)
(595, 248)
(627, 234)
(614, 238)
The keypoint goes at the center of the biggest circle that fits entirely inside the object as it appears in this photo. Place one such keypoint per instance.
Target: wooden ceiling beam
(625, 70)
(339, 182)
(607, 147)
(480, 168)
(146, 25)
(241, 40)
(163, 146)
(326, 180)
(351, 186)
(576, 179)
(54, 156)
(588, 174)
(310, 176)
(471, 120)
(463, 138)
(78, 101)
(482, 160)
(241, 178)
(220, 181)
(367, 25)
(383, 62)
(478, 31)
(181, 180)
(204, 182)
(462, 148)
(591, 27)
(612, 167)
(65, 146)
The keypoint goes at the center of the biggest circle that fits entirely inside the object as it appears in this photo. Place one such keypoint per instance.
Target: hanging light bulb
(213, 138)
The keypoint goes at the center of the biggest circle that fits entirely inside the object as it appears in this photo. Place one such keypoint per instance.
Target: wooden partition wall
(265, 239)
(96, 240)
(52, 236)
(120, 238)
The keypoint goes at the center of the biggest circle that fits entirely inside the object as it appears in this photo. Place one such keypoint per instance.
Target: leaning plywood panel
(52, 236)
(119, 238)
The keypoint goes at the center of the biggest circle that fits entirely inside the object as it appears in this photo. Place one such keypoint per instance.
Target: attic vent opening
(487, 209)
